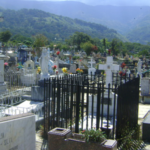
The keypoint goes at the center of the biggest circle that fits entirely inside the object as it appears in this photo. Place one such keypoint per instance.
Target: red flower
(56, 72)
(58, 52)
(94, 48)
(54, 67)
(83, 131)
(123, 65)
(120, 73)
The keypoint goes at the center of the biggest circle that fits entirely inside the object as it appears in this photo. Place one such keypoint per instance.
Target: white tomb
(3, 87)
(28, 76)
(109, 67)
(91, 69)
(44, 60)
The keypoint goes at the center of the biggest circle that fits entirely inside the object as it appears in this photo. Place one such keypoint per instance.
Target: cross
(109, 67)
(91, 63)
(29, 55)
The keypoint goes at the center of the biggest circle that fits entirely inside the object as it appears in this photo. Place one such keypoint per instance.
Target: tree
(5, 36)
(78, 38)
(143, 52)
(87, 47)
(114, 47)
(65, 47)
(39, 41)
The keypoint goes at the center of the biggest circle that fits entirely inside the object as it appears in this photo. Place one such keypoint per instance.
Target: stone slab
(3, 88)
(1, 71)
(17, 132)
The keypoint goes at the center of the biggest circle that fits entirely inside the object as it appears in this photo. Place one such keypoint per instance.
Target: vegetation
(130, 138)
(29, 22)
(5, 36)
(39, 41)
(94, 135)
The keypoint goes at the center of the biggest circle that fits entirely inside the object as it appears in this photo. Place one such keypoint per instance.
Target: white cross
(29, 55)
(109, 67)
(91, 63)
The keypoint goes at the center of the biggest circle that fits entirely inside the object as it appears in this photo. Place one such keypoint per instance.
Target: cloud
(111, 2)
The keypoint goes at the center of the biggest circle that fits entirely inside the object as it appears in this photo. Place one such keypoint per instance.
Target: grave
(3, 87)
(145, 90)
(91, 70)
(28, 73)
(64, 139)
(37, 92)
(145, 128)
(109, 67)
(17, 132)
(44, 60)
(139, 71)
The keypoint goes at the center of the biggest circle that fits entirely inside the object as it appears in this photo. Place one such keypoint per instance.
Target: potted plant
(94, 135)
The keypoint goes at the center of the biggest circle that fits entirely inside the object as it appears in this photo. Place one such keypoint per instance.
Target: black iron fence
(83, 102)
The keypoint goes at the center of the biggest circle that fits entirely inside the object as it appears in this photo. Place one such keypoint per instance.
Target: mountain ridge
(123, 19)
(29, 22)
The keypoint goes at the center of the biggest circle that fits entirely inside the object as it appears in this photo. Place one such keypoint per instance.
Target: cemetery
(67, 92)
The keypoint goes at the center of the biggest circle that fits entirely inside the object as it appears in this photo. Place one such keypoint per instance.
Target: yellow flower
(64, 70)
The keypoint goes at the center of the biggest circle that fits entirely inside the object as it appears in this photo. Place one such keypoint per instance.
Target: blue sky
(111, 2)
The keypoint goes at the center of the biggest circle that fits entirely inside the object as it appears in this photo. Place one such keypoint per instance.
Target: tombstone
(145, 86)
(128, 73)
(109, 67)
(50, 65)
(29, 64)
(73, 68)
(28, 73)
(36, 62)
(17, 132)
(3, 87)
(37, 92)
(139, 71)
(44, 59)
(91, 69)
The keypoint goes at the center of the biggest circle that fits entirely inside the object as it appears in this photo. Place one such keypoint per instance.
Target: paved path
(40, 144)
(143, 109)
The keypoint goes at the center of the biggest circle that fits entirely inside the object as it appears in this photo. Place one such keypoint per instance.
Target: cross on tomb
(91, 63)
(109, 67)
(29, 55)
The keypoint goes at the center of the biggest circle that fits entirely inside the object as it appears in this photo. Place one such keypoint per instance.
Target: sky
(111, 2)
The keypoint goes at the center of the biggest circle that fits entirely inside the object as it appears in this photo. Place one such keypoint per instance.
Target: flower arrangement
(103, 73)
(54, 67)
(123, 65)
(56, 72)
(79, 70)
(38, 70)
(122, 73)
(65, 71)
(58, 52)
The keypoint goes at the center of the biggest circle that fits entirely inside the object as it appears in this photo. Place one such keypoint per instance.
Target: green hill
(141, 32)
(29, 22)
